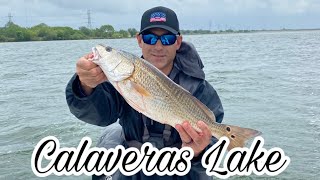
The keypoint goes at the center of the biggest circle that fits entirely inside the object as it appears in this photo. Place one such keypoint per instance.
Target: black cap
(160, 17)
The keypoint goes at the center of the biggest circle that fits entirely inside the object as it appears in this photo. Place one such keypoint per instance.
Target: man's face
(159, 55)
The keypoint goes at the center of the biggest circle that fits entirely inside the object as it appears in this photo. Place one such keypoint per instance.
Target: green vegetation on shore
(42, 32)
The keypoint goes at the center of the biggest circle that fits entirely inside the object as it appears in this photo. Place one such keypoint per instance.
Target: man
(92, 98)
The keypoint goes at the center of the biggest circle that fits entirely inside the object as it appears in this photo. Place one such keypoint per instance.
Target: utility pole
(89, 19)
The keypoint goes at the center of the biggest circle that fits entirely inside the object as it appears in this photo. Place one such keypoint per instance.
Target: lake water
(268, 81)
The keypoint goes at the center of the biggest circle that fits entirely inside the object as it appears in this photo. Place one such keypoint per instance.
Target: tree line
(42, 32)
(12, 33)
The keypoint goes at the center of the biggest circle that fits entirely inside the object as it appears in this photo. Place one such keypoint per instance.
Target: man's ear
(179, 41)
(139, 40)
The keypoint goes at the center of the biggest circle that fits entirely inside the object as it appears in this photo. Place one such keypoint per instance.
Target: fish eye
(108, 49)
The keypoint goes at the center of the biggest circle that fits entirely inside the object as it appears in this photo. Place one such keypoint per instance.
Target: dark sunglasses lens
(168, 39)
(149, 39)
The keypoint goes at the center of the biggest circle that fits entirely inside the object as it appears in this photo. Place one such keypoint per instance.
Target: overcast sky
(192, 14)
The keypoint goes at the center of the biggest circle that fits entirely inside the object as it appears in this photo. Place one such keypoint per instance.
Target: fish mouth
(96, 55)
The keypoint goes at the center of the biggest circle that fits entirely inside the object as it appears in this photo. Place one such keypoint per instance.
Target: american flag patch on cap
(158, 17)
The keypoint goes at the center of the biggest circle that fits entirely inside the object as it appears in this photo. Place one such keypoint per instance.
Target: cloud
(192, 14)
(293, 6)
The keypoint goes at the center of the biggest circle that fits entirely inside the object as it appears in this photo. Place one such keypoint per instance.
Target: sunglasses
(166, 39)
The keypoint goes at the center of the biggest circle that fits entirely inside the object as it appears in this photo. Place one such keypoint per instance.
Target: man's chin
(158, 65)
(157, 61)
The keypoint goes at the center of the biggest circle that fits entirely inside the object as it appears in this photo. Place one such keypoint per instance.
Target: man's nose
(158, 45)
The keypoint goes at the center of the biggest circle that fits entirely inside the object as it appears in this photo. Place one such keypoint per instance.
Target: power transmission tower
(89, 19)
(10, 18)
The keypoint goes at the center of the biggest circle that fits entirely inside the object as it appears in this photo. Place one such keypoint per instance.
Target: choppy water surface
(266, 81)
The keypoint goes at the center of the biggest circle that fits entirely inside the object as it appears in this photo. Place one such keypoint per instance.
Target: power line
(75, 20)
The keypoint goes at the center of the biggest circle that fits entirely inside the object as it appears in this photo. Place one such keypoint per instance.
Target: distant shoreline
(281, 30)
(230, 31)
(42, 32)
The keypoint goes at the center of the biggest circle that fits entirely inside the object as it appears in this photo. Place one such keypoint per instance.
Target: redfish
(146, 89)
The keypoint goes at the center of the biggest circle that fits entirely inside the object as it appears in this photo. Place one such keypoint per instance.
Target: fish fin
(132, 103)
(135, 106)
(238, 135)
(141, 90)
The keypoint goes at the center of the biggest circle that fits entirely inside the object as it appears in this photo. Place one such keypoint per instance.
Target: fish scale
(164, 93)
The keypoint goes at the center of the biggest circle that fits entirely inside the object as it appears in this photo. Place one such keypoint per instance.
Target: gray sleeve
(100, 108)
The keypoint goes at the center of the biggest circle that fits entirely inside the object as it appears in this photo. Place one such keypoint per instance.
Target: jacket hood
(189, 61)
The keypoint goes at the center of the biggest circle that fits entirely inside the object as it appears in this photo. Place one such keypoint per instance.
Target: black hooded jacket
(105, 106)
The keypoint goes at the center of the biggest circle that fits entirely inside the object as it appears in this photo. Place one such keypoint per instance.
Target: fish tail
(237, 135)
